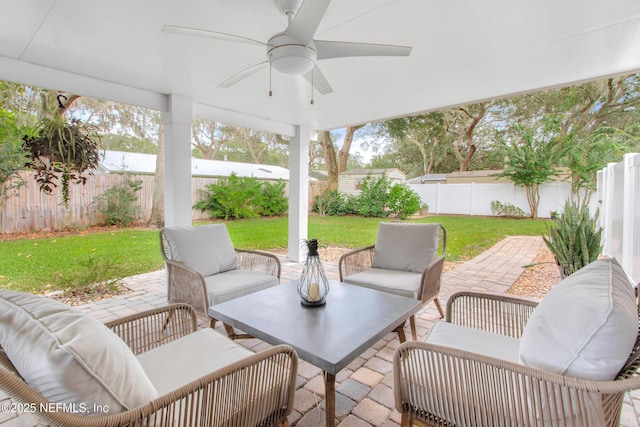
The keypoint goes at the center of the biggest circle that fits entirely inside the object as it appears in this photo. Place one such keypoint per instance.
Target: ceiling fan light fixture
(293, 59)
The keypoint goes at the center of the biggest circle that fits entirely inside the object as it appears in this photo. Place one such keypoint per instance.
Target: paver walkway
(364, 389)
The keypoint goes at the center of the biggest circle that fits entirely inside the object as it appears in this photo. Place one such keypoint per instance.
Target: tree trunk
(157, 205)
(343, 154)
(330, 158)
(533, 198)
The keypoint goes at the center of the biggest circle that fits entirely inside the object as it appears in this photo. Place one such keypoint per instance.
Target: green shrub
(243, 197)
(507, 209)
(378, 198)
(334, 203)
(403, 201)
(574, 238)
(95, 270)
(118, 203)
(231, 197)
(373, 198)
(272, 201)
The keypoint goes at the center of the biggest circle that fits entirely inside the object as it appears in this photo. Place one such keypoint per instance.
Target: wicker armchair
(254, 391)
(203, 268)
(438, 385)
(411, 264)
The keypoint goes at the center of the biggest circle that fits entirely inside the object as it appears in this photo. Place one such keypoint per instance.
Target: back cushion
(70, 357)
(406, 247)
(586, 326)
(205, 248)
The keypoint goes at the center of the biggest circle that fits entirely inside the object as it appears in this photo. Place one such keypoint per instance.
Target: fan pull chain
(270, 93)
(312, 86)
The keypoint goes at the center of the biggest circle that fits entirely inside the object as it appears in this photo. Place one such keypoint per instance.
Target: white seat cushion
(186, 359)
(586, 326)
(474, 340)
(406, 247)
(236, 283)
(205, 248)
(403, 283)
(70, 357)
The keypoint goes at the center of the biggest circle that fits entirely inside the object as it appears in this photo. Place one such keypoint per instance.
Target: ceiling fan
(294, 51)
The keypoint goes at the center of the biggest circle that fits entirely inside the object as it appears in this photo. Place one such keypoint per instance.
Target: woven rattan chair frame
(442, 386)
(185, 285)
(232, 396)
(361, 259)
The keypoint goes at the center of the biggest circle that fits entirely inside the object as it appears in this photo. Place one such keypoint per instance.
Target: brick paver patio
(364, 389)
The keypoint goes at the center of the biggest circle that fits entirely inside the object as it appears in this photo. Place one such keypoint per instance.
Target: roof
(475, 173)
(430, 177)
(120, 161)
(116, 50)
(371, 171)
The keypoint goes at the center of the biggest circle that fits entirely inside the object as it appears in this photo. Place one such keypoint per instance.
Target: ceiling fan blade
(331, 49)
(243, 74)
(210, 34)
(307, 19)
(318, 80)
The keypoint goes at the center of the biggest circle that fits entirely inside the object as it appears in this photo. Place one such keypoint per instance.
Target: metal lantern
(313, 285)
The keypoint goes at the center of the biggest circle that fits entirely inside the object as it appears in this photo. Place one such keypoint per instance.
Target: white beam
(298, 192)
(50, 78)
(243, 120)
(177, 161)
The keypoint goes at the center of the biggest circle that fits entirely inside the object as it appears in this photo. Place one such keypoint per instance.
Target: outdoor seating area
(364, 389)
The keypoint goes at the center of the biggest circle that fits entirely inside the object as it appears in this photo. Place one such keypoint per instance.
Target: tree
(157, 204)
(207, 138)
(11, 155)
(463, 123)
(425, 132)
(329, 150)
(529, 162)
(337, 163)
(343, 154)
(591, 124)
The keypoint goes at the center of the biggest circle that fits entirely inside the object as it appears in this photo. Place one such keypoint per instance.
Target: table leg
(330, 399)
(400, 330)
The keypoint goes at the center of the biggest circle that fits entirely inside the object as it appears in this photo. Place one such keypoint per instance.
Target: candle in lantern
(314, 292)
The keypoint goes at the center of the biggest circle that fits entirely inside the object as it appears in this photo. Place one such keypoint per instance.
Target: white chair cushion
(403, 283)
(205, 248)
(236, 283)
(586, 326)
(189, 358)
(474, 340)
(406, 247)
(70, 357)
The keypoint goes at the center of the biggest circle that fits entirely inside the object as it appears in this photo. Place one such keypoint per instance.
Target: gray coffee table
(329, 337)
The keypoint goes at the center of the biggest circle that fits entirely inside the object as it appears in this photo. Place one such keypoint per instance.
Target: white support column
(177, 161)
(298, 192)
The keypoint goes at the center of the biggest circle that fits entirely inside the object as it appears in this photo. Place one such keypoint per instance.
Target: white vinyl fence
(619, 193)
(475, 199)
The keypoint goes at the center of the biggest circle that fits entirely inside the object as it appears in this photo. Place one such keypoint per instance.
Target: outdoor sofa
(150, 369)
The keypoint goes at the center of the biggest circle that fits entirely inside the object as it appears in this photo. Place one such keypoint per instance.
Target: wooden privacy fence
(28, 209)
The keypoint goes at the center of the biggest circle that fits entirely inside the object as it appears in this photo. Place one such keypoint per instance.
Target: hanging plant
(57, 149)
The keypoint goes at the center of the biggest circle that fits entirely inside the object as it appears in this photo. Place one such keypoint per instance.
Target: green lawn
(45, 264)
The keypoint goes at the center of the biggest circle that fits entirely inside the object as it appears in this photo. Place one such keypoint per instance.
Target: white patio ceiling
(463, 51)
